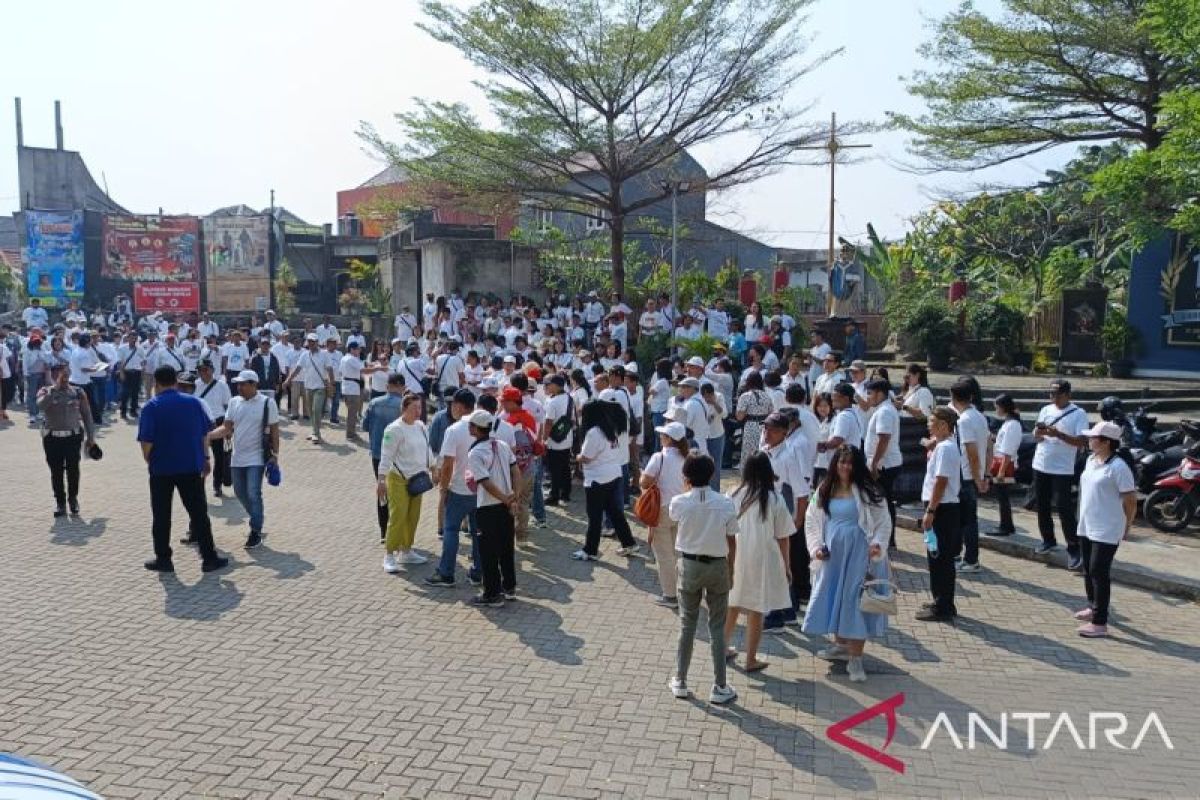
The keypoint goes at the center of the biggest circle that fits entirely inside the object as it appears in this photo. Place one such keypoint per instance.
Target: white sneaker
(966, 566)
(412, 557)
(679, 689)
(629, 551)
(835, 652)
(579, 555)
(854, 668)
(389, 563)
(720, 695)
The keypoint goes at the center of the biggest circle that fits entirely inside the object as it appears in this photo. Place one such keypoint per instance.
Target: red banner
(143, 249)
(176, 298)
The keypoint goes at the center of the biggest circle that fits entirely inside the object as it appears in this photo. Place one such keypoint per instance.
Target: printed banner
(1181, 290)
(148, 248)
(54, 257)
(171, 297)
(237, 262)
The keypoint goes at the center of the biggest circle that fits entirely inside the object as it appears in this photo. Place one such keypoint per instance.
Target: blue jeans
(100, 393)
(33, 383)
(458, 507)
(538, 507)
(247, 485)
(716, 449)
(333, 404)
(656, 421)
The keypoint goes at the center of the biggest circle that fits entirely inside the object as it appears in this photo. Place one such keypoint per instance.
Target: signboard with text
(149, 248)
(1181, 291)
(237, 262)
(54, 258)
(178, 298)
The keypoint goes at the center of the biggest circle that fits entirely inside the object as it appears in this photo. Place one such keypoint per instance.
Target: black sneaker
(1074, 564)
(1043, 548)
(933, 615)
(511, 595)
(60, 510)
(154, 565)
(214, 564)
(217, 492)
(552, 502)
(189, 540)
(484, 601)
(438, 579)
(254, 540)
(474, 580)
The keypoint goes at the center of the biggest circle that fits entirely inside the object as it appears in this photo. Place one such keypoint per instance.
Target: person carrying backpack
(527, 450)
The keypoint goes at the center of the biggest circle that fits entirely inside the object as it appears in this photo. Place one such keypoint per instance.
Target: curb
(1020, 546)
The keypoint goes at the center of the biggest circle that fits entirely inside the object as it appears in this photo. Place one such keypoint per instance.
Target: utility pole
(833, 146)
(675, 187)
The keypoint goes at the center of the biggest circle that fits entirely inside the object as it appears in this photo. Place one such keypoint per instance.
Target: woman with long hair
(823, 411)
(379, 374)
(846, 531)
(754, 323)
(1107, 504)
(1004, 459)
(753, 407)
(581, 394)
(761, 574)
(917, 400)
(665, 470)
(602, 425)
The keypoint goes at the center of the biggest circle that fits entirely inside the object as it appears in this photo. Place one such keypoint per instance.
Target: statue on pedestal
(845, 276)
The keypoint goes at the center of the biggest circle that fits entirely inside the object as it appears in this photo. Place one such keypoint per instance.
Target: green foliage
(285, 288)
(904, 300)
(1042, 362)
(366, 292)
(931, 327)
(649, 349)
(1120, 339)
(1000, 324)
(572, 266)
(701, 346)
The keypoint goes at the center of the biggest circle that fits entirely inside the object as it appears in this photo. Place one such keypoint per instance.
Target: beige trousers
(662, 542)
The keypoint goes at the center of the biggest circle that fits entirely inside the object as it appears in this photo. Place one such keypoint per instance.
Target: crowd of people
(502, 410)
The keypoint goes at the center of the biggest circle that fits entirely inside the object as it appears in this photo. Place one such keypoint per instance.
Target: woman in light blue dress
(846, 531)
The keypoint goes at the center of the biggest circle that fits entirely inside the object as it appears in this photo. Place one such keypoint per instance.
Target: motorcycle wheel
(1168, 510)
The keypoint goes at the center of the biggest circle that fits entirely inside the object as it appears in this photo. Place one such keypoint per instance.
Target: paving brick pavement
(306, 671)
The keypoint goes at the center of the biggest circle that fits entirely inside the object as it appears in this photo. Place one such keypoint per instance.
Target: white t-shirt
(973, 432)
(650, 322)
(1101, 514)
(314, 366)
(660, 395)
(1008, 439)
(718, 324)
(606, 456)
(215, 399)
(556, 408)
(666, 466)
(944, 462)
(379, 379)
(247, 419)
(921, 399)
(413, 370)
(325, 333)
(847, 426)
(704, 522)
(81, 360)
(456, 443)
(817, 355)
(236, 354)
(351, 367)
(1054, 456)
(884, 419)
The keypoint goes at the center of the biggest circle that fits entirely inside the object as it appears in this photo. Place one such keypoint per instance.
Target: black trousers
(887, 482)
(497, 533)
(222, 474)
(8, 390)
(1048, 488)
(62, 456)
(131, 387)
(1004, 503)
(604, 497)
(801, 564)
(558, 463)
(1097, 566)
(941, 567)
(381, 509)
(191, 494)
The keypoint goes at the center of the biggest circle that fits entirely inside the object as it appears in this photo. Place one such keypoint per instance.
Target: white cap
(675, 412)
(675, 430)
(695, 361)
(1108, 430)
(246, 376)
(481, 419)
(312, 337)
(510, 359)
(489, 382)
(692, 382)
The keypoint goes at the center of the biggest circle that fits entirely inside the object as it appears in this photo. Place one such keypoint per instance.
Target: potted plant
(931, 329)
(1120, 340)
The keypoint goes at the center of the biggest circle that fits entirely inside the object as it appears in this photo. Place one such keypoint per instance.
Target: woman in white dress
(918, 400)
(760, 562)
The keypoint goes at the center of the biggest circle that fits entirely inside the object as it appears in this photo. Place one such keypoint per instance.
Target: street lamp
(675, 187)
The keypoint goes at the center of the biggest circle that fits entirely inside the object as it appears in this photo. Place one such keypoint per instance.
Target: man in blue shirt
(856, 345)
(381, 412)
(172, 429)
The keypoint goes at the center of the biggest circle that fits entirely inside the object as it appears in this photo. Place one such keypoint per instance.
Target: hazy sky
(192, 107)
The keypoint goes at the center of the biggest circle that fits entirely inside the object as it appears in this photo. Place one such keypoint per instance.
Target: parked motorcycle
(1151, 466)
(1171, 507)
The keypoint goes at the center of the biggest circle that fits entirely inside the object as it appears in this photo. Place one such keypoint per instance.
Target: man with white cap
(315, 374)
(696, 420)
(496, 474)
(234, 355)
(252, 422)
(406, 323)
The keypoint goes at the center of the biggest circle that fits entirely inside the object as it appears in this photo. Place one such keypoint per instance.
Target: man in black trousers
(172, 429)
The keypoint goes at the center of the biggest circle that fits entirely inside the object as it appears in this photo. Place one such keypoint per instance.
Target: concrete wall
(59, 180)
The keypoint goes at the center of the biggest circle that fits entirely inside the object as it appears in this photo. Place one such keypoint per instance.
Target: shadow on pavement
(1152, 644)
(1038, 647)
(204, 601)
(539, 628)
(76, 532)
(287, 566)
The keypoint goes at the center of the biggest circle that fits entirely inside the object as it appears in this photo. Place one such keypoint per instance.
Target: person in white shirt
(706, 527)
(651, 321)
(918, 400)
(73, 315)
(1059, 432)
(252, 423)
(697, 418)
(235, 355)
(326, 331)
(665, 470)
(602, 456)
(718, 320)
(334, 357)
(190, 348)
(1004, 460)
(619, 331)
(171, 355)
(83, 363)
(450, 373)
(212, 390)
(560, 420)
(274, 326)
(403, 455)
(847, 426)
(496, 473)
(689, 331)
(429, 311)
(1107, 505)
(715, 412)
(816, 354)
(882, 445)
(593, 313)
(350, 371)
(207, 327)
(972, 435)
(830, 375)
(939, 493)
(315, 374)
(34, 316)
(129, 365)
(406, 324)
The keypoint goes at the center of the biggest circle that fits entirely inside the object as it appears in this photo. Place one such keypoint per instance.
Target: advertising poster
(147, 248)
(237, 262)
(54, 261)
(1181, 291)
(179, 298)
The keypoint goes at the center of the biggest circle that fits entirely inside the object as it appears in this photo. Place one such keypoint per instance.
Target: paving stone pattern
(305, 671)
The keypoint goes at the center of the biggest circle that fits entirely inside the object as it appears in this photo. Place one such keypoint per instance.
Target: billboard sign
(179, 298)
(54, 256)
(237, 262)
(147, 248)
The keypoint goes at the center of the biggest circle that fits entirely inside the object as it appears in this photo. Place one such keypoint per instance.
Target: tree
(1049, 73)
(285, 288)
(592, 95)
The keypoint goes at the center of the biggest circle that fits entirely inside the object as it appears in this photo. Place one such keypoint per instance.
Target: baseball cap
(858, 363)
(675, 430)
(481, 419)
(312, 337)
(489, 382)
(510, 359)
(246, 376)
(692, 382)
(695, 361)
(1106, 430)
(777, 420)
(511, 393)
